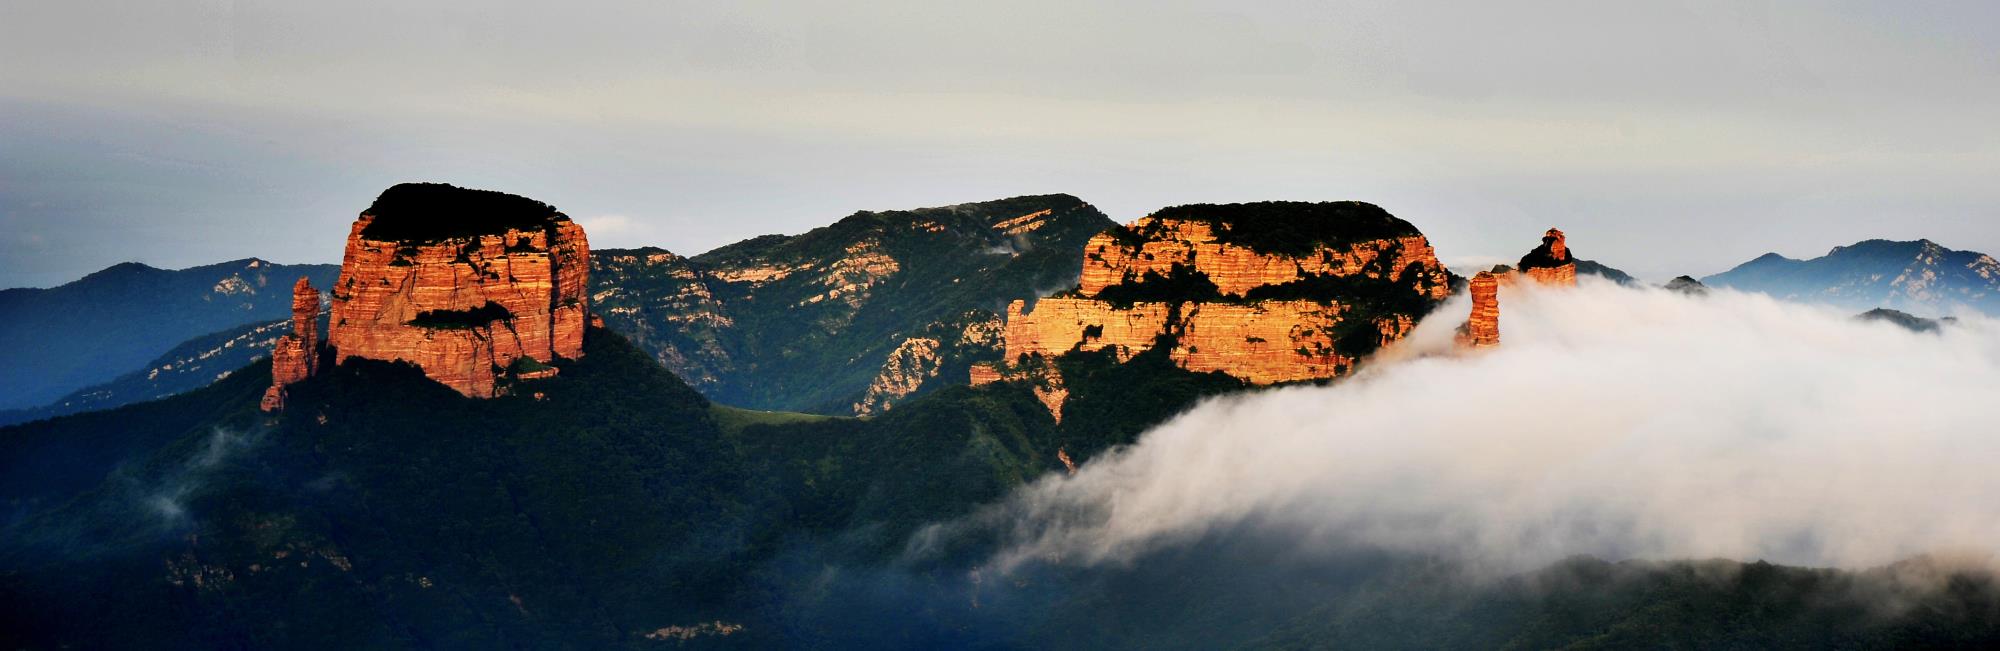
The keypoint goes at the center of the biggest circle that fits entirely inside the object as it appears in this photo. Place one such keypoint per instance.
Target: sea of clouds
(1612, 421)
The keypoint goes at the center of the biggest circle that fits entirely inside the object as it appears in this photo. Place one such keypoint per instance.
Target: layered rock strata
(295, 356)
(1550, 263)
(1483, 327)
(471, 286)
(1267, 293)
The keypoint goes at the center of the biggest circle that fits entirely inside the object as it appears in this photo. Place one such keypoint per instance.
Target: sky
(1664, 137)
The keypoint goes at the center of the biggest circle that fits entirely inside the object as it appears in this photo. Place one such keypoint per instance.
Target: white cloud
(1614, 422)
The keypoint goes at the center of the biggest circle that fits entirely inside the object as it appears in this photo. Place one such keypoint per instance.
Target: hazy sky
(1666, 137)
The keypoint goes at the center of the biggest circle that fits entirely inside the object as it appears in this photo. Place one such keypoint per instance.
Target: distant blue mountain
(1919, 277)
(111, 322)
(193, 364)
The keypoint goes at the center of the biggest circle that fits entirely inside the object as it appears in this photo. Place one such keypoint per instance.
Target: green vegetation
(1544, 256)
(383, 510)
(1293, 227)
(1182, 283)
(525, 364)
(432, 212)
(733, 420)
(462, 319)
(1590, 603)
(784, 344)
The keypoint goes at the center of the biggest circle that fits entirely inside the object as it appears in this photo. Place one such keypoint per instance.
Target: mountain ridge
(115, 320)
(809, 322)
(1919, 276)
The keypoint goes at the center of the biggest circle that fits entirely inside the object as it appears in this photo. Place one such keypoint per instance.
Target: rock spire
(295, 356)
(1551, 263)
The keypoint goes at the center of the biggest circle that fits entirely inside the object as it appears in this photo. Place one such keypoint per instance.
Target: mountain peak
(1917, 275)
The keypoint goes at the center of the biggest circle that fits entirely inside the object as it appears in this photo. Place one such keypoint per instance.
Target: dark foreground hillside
(612, 506)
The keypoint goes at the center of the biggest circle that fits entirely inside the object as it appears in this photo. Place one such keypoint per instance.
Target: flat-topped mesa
(1265, 292)
(295, 356)
(1240, 247)
(1551, 263)
(470, 285)
(1482, 328)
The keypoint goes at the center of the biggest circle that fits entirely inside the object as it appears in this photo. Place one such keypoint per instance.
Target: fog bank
(1614, 422)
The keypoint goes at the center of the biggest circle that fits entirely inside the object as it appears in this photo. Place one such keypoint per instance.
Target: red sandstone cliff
(1551, 263)
(1304, 307)
(434, 280)
(295, 356)
(1548, 264)
(1482, 328)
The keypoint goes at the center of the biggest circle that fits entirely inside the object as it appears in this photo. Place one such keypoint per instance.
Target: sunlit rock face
(295, 356)
(1266, 292)
(1550, 263)
(1236, 266)
(472, 286)
(1482, 328)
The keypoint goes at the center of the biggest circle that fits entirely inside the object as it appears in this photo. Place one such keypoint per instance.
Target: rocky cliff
(1550, 263)
(924, 358)
(472, 286)
(1266, 292)
(295, 356)
(1482, 328)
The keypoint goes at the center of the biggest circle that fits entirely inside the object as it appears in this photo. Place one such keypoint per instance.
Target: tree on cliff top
(441, 211)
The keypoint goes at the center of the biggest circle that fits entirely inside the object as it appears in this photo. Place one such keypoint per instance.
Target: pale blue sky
(1665, 137)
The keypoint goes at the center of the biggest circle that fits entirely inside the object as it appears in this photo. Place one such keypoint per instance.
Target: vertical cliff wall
(1482, 328)
(295, 356)
(1267, 292)
(473, 286)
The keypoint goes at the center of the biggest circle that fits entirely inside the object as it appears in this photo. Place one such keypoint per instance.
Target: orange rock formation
(1483, 327)
(1266, 340)
(1237, 269)
(466, 304)
(295, 356)
(1550, 263)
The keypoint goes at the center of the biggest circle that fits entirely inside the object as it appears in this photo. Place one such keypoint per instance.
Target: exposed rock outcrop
(470, 285)
(1267, 293)
(295, 356)
(919, 359)
(1550, 263)
(1482, 328)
